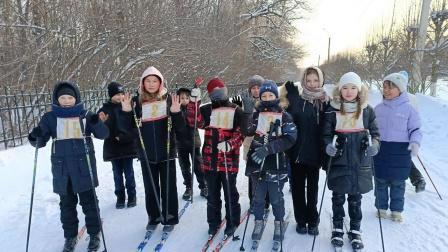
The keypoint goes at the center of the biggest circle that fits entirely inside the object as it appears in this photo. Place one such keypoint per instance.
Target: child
(67, 124)
(270, 178)
(222, 122)
(351, 119)
(184, 144)
(120, 147)
(307, 155)
(156, 109)
(401, 136)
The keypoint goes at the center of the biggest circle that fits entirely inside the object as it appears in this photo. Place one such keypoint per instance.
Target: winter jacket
(68, 153)
(212, 158)
(275, 144)
(351, 168)
(309, 147)
(398, 120)
(126, 144)
(184, 140)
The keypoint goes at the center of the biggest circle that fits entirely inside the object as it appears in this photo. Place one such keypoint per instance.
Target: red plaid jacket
(212, 158)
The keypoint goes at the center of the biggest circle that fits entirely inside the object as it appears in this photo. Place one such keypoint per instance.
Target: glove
(331, 150)
(224, 146)
(36, 132)
(195, 94)
(93, 119)
(237, 100)
(260, 154)
(248, 103)
(414, 148)
(372, 150)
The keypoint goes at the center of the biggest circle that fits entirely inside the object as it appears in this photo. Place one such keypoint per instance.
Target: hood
(68, 84)
(152, 71)
(363, 95)
(319, 73)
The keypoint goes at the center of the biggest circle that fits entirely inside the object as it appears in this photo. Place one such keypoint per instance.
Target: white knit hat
(350, 78)
(398, 79)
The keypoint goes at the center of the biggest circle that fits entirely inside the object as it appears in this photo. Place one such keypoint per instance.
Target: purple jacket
(398, 120)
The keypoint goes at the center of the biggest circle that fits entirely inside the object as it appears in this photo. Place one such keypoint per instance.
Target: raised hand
(175, 103)
(103, 116)
(126, 104)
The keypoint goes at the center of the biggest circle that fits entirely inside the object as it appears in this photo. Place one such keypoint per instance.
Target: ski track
(425, 226)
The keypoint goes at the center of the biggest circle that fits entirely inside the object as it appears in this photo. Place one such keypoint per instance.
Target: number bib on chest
(264, 122)
(152, 111)
(346, 123)
(222, 118)
(68, 128)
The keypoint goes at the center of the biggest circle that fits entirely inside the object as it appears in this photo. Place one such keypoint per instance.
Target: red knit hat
(215, 83)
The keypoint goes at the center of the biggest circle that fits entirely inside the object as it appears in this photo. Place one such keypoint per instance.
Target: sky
(347, 22)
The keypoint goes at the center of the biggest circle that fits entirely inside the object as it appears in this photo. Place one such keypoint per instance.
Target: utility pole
(420, 45)
(329, 42)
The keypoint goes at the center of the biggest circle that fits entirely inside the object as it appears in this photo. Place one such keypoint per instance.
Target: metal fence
(21, 111)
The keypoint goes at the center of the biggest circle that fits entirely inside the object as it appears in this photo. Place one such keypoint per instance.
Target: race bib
(68, 128)
(152, 111)
(222, 118)
(346, 123)
(264, 122)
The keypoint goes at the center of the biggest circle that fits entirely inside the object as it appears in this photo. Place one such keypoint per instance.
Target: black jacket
(118, 123)
(351, 168)
(309, 147)
(184, 140)
(276, 144)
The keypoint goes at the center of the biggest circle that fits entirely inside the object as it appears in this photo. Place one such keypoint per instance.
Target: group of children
(289, 131)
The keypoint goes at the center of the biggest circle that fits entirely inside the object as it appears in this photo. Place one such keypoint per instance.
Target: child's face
(268, 96)
(66, 101)
(255, 91)
(349, 92)
(117, 98)
(312, 81)
(390, 91)
(184, 99)
(151, 84)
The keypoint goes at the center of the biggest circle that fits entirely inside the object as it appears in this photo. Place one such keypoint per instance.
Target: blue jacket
(68, 156)
(393, 162)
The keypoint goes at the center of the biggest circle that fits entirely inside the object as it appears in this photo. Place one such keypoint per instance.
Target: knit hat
(114, 88)
(65, 91)
(183, 90)
(269, 86)
(215, 83)
(255, 80)
(350, 78)
(399, 79)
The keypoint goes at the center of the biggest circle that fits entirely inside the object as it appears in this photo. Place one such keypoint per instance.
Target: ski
(226, 238)
(255, 243)
(166, 233)
(212, 237)
(143, 243)
(276, 245)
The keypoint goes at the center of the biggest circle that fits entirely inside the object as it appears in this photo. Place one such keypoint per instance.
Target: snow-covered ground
(425, 226)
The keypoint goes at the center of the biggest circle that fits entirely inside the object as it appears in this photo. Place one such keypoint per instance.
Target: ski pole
(167, 186)
(335, 137)
(369, 137)
(278, 183)
(265, 141)
(424, 168)
(32, 193)
(89, 165)
(146, 160)
(198, 82)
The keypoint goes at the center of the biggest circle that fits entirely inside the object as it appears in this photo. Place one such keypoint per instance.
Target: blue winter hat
(269, 86)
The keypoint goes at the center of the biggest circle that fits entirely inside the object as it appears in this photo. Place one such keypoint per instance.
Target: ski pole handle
(369, 137)
(335, 137)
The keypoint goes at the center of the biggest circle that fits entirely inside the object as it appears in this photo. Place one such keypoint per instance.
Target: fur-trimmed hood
(336, 100)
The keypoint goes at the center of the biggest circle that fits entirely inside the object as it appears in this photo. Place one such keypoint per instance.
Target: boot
(94, 243)
(151, 227)
(278, 234)
(420, 185)
(69, 245)
(396, 216)
(337, 237)
(121, 198)
(382, 213)
(187, 194)
(301, 228)
(204, 192)
(258, 228)
(355, 239)
(313, 229)
(212, 230)
(230, 229)
(132, 200)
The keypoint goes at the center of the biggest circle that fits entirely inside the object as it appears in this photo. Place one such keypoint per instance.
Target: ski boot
(313, 229)
(396, 216)
(258, 228)
(121, 198)
(381, 213)
(94, 243)
(187, 194)
(151, 227)
(301, 228)
(420, 185)
(229, 230)
(204, 192)
(355, 239)
(278, 234)
(69, 245)
(337, 237)
(132, 200)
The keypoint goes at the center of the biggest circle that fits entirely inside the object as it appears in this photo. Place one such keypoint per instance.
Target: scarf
(316, 96)
(73, 111)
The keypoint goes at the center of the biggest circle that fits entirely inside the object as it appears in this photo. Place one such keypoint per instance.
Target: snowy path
(425, 226)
